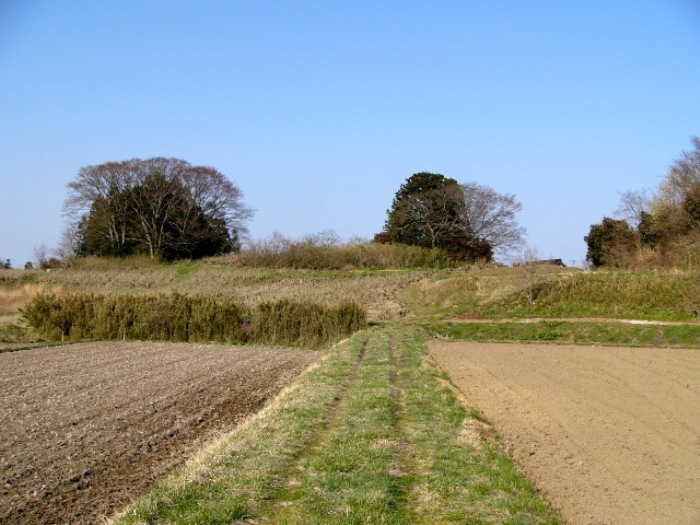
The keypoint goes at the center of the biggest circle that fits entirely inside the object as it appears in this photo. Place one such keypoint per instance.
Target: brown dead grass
(16, 296)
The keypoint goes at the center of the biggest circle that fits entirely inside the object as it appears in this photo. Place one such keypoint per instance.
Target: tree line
(659, 228)
(170, 209)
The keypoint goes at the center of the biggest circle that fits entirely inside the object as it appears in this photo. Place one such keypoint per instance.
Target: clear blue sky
(319, 110)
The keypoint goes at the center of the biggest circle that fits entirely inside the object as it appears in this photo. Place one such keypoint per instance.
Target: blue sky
(319, 110)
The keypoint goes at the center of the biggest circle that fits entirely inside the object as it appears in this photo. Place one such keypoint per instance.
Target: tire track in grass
(405, 453)
(351, 473)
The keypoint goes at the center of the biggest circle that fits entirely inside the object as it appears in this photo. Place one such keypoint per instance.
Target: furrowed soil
(86, 428)
(609, 435)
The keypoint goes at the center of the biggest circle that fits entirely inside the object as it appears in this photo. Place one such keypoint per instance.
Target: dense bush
(179, 317)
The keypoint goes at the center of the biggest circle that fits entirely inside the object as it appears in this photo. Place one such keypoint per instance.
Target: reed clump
(190, 318)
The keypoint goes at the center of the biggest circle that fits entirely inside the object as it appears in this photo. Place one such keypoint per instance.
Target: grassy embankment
(563, 305)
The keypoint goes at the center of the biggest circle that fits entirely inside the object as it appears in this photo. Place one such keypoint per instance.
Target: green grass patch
(352, 472)
(13, 333)
(14, 330)
(185, 269)
(671, 296)
(461, 473)
(612, 333)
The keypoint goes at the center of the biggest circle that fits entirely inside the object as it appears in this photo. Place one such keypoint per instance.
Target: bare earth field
(609, 435)
(85, 428)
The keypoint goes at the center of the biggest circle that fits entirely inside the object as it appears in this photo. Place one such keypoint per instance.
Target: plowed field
(610, 435)
(85, 428)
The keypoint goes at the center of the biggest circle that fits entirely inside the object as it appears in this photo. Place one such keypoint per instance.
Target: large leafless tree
(632, 206)
(492, 216)
(154, 197)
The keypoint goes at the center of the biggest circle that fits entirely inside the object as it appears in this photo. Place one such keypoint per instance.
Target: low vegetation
(178, 317)
(423, 296)
(618, 295)
(376, 291)
(323, 253)
(14, 331)
(552, 292)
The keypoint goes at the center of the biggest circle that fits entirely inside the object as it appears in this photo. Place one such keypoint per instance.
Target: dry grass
(452, 292)
(378, 292)
(310, 253)
(12, 299)
(16, 295)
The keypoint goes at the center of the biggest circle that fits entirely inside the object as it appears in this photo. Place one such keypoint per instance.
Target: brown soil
(609, 435)
(85, 428)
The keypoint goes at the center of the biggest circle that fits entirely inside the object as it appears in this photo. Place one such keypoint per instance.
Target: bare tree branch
(491, 216)
(632, 205)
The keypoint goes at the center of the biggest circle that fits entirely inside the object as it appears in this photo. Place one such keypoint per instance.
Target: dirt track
(85, 428)
(609, 435)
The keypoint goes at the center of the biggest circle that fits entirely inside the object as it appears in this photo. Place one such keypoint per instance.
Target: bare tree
(491, 216)
(683, 175)
(153, 201)
(41, 256)
(527, 256)
(633, 203)
(525, 260)
(323, 239)
(96, 188)
(675, 207)
(68, 245)
(218, 197)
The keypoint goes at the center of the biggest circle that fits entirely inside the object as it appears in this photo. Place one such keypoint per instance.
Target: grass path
(371, 435)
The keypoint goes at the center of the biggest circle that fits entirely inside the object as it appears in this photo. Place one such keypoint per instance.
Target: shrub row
(306, 254)
(193, 318)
